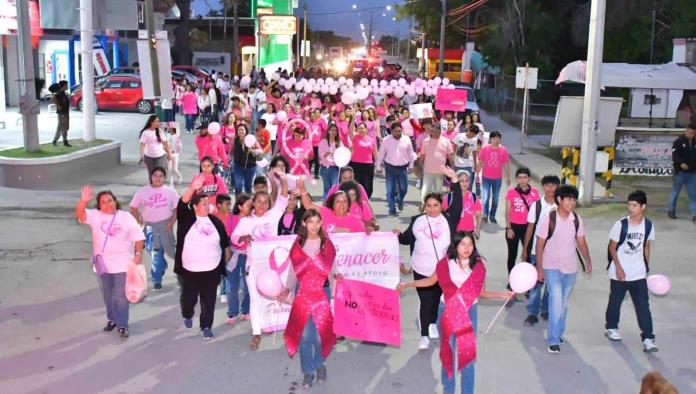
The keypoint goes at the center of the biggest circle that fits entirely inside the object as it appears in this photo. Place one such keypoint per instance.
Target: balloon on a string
(269, 284)
(393, 83)
(262, 163)
(374, 82)
(402, 82)
(342, 156)
(245, 81)
(445, 81)
(316, 88)
(523, 277)
(659, 284)
(399, 92)
(437, 81)
(312, 81)
(382, 91)
(324, 89)
(333, 90)
(341, 80)
(250, 141)
(428, 91)
(329, 81)
(320, 82)
(282, 116)
(344, 89)
(348, 98)
(375, 90)
(419, 90)
(364, 82)
(350, 82)
(362, 92)
(213, 128)
(383, 83)
(388, 90)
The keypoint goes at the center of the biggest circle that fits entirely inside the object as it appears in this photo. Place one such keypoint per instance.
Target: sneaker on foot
(188, 323)
(321, 374)
(531, 320)
(157, 287)
(400, 206)
(485, 219)
(424, 343)
(223, 299)
(544, 316)
(418, 185)
(307, 380)
(613, 334)
(492, 220)
(67, 144)
(123, 332)
(671, 215)
(649, 345)
(54, 143)
(109, 326)
(231, 321)
(393, 214)
(433, 333)
(207, 333)
(554, 349)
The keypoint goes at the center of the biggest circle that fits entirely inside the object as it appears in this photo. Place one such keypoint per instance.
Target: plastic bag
(136, 283)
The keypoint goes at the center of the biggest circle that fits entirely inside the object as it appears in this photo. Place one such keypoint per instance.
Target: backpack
(622, 238)
(552, 228)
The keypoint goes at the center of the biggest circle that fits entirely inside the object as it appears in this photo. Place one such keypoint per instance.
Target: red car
(200, 74)
(117, 92)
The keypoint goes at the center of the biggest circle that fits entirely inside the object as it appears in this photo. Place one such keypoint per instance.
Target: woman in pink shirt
(329, 169)
(211, 146)
(517, 202)
(189, 102)
(359, 207)
(298, 151)
(342, 122)
(229, 130)
(363, 158)
(317, 131)
(213, 183)
(336, 213)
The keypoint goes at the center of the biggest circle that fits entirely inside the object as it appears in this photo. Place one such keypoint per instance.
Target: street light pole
(441, 62)
(154, 64)
(590, 123)
(28, 106)
(369, 36)
(88, 99)
(236, 70)
(304, 44)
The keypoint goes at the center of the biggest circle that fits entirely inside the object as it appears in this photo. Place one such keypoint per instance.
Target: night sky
(345, 24)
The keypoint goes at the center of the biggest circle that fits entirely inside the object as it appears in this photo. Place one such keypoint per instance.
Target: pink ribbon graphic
(273, 263)
(299, 166)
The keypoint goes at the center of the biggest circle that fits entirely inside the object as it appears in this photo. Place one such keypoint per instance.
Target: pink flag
(451, 100)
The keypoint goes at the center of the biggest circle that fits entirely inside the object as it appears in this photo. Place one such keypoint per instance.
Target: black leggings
(203, 285)
(429, 304)
(364, 175)
(315, 162)
(519, 231)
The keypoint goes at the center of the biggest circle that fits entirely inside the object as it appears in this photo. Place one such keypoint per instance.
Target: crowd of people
(261, 141)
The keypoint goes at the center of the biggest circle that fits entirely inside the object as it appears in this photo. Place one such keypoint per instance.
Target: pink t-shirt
(493, 159)
(362, 210)
(334, 188)
(467, 220)
(343, 132)
(213, 185)
(124, 232)
(559, 251)
(156, 203)
(331, 222)
(298, 154)
(317, 129)
(436, 153)
(190, 103)
(211, 146)
(363, 146)
(518, 214)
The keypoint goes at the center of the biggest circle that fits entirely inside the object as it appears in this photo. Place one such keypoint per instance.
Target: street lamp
(372, 10)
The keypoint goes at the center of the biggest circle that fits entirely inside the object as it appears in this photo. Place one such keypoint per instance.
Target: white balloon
(333, 90)
(214, 128)
(428, 91)
(342, 80)
(445, 81)
(402, 82)
(364, 82)
(320, 81)
(342, 156)
(250, 141)
(275, 76)
(383, 83)
(375, 90)
(362, 92)
(350, 82)
(437, 81)
(388, 90)
(382, 91)
(348, 98)
(393, 83)
(312, 81)
(308, 88)
(316, 88)
(262, 163)
(419, 90)
(324, 89)
(344, 89)
(329, 81)
(374, 83)
(399, 92)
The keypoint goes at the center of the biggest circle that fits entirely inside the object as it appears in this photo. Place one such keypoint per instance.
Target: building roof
(624, 75)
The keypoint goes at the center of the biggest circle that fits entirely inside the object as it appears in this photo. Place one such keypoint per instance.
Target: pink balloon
(383, 83)
(659, 284)
(324, 89)
(374, 83)
(393, 83)
(428, 91)
(375, 90)
(399, 92)
(382, 91)
(389, 90)
(419, 90)
(333, 90)
(364, 82)
(523, 277)
(350, 82)
(282, 116)
(402, 82)
(269, 284)
(214, 128)
(342, 80)
(437, 81)
(344, 89)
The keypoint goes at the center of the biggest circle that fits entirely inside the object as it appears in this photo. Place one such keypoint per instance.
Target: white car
(471, 105)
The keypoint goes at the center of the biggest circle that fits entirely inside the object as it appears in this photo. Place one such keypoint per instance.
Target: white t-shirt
(630, 253)
(202, 246)
(155, 203)
(424, 258)
(260, 227)
(124, 232)
(531, 216)
(153, 148)
(272, 128)
(464, 152)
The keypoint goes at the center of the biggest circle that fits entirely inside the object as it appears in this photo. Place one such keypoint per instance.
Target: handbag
(97, 259)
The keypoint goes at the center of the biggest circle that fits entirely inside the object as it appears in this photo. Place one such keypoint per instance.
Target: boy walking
(557, 264)
(629, 252)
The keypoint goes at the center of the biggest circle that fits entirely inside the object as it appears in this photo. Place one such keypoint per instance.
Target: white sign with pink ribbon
(370, 258)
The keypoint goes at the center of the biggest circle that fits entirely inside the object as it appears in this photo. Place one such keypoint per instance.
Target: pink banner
(367, 312)
(451, 100)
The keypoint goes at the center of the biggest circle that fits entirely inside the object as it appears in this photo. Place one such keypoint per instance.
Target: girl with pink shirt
(363, 157)
(189, 102)
(517, 202)
(228, 130)
(213, 184)
(327, 147)
(211, 146)
(359, 207)
(342, 122)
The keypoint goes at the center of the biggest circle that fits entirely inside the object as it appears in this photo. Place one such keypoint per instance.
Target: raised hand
(86, 193)
(198, 181)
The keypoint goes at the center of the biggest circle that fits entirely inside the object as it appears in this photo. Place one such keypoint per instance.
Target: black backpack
(622, 238)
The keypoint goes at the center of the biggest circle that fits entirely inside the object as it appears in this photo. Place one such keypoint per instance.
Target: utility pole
(28, 106)
(441, 62)
(298, 38)
(154, 65)
(235, 39)
(88, 99)
(369, 37)
(593, 82)
(652, 34)
(525, 111)
(421, 64)
(304, 45)
(408, 42)
(224, 30)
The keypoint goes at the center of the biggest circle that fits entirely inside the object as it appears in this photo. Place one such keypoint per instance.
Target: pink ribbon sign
(298, 158)
(451, 100)
(367, 312)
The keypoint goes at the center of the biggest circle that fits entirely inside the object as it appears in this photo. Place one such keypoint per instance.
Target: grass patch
(48, 150)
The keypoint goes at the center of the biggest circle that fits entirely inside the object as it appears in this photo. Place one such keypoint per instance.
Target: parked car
(192, 70)
(471, 105)
(179, 75)
(120, 71)
(117, 92)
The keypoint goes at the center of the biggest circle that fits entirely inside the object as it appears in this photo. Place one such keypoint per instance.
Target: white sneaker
(424, 343)
(613, 334)
(433, 333)
(649, 345)
(223, 299)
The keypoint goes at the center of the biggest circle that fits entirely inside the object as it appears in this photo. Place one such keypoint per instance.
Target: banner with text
(421, 111)
(451, 100)
(646, 154)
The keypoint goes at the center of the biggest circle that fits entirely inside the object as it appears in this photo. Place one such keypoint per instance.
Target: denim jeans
(638, 289)
(114, 293)
(470, 170)
(680, 179)
(397, 184)
(243, 177)
(233, 279)
(537, 303)
(469, 372)
(190, 121)
(329, 177)
(559, 286)
(310, 348)
(491, 191)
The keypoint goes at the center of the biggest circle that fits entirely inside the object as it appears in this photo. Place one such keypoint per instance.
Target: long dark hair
(337, 140)
(148, 125)
(452, 249)
(109, 192)
(352, 185)
(240, 200)
(302, 230)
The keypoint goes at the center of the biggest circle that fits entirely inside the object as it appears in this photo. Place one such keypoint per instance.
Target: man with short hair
(257, 99)
(434, 154)
(396, 152)
(557, 264)
(684, 159)
(62, 102)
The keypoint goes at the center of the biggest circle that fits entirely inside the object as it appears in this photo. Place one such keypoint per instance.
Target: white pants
(174, 168)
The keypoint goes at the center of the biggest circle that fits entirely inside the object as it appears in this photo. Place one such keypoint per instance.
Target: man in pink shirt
(493, 161)
(557, 264)
(434, 154)
(396, 152)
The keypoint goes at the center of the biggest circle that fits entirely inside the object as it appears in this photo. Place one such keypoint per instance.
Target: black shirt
(684, 152)
(62, 103)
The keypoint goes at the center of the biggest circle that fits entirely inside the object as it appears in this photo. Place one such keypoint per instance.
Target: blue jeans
(680, 179)
(243, 177)
(470, 170)
(310, 348)
(397, 183)
(537, 303)
(190, 121)
(329, 177)
(114, 293)
(559, 286)
(233, 280)
(469, 372)
(491, 190)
